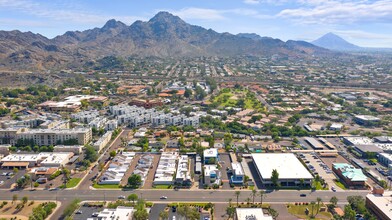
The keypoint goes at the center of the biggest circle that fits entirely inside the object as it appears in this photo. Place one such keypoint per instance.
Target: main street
(280, 196)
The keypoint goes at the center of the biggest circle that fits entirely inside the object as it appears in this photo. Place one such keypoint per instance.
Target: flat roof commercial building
(290, 169)
(32, 160)
(351, 176)
(237, 174)
(380, 205)
(314, 143)
(210, 153)
(366, 120)
(251, 214)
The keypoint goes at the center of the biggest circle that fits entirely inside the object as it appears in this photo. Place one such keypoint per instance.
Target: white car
(121, 197)
(163, 197)
(1, 183)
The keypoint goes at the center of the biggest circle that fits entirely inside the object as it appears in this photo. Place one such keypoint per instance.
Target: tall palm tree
(247, 201)
(312, 204)
(237, 194)
(254, 193)
(262, 195)
(318, 204)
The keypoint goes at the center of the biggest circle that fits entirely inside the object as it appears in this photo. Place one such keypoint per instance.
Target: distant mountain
(164, 35)
(334, 42)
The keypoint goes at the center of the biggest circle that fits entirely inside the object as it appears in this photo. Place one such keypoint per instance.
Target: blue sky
(362, 22)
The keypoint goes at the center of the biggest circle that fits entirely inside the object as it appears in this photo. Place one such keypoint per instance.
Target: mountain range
(164, 35)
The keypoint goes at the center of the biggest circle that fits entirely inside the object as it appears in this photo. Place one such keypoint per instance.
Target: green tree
(273, 213)
(132, 197)
(228, 138)
(15, 170)
(141, 212)
(163, 215)
(212, 160)
(237, 194)
(188, 93)
(275, 178)
(334, 201)
(90, 153)
(253, 194)
(134, 180)
(14, 198)
(312, 204)
(66, 175)
(319, 200)
(24, 199)
(262, 195)
(230, 211)
(349, 213)
(113, 153)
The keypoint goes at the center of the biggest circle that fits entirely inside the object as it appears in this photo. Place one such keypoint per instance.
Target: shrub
(36, 184)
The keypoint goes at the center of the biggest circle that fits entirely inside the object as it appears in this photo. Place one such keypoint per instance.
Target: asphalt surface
(281, 196)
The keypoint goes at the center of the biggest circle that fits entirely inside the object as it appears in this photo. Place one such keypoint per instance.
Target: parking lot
(203, 215)
(318, 167)
(86, 212)
(225, 163)
(8, 178)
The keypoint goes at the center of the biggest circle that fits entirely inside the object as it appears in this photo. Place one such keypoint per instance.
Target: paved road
(86, 182)
(281, 196)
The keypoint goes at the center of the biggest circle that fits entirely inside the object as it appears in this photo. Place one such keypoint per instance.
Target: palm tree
(247, 201)
(262, 195)
(301, 182)
(237, 194)
(254, 193)
(312, 204)
(230, 202)
(164, 215)
(318, 204)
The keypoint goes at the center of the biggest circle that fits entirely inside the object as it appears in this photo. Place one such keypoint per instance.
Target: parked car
(79, 212)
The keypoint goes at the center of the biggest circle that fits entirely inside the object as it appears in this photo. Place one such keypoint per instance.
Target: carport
(19, 165)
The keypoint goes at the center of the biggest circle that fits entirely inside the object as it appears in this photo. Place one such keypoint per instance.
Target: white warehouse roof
(287, 165)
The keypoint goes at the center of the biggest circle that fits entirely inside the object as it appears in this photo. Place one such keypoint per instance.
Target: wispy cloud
(252, 2)
(60, 11)
(216, 15)
(199, 13)
(334, 11)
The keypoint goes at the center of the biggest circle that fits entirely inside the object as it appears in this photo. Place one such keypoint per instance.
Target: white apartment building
(47, 137)
(85, 116)
(103, 141)
(98, 123)
(111, 125)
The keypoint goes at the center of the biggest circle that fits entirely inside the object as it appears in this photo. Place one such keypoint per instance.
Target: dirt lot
(9, 211)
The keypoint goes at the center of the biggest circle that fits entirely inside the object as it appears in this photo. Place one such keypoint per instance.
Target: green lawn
(98, 186)
(162, 187)
(299, 211)
(340, 184)
(73, 182)
(319, 186)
